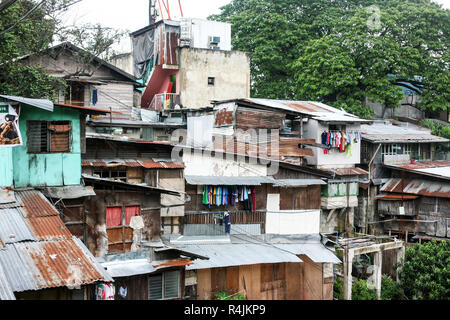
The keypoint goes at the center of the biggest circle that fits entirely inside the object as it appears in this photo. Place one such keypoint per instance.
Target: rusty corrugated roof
(347, 171)
(418, 186)
(145, 163)
(43, 253)
(35, 204)
(50, 264)
(49, 228)
(439, 169)
(179, 262)
(315, 110)
(396, 197)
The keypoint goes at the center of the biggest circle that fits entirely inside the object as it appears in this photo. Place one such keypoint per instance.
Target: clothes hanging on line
(341, 140)
(229, 195)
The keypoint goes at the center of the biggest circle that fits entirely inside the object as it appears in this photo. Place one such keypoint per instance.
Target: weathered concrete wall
(231, 70)
(198, 164)
(48, 169)
(124, 62)
(405, 110)
(96, 215)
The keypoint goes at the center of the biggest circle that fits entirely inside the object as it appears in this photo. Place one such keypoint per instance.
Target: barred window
(48, 136)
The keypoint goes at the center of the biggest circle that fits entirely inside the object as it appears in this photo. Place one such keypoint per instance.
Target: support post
(348, 263)
(400, 259)
(378, 267)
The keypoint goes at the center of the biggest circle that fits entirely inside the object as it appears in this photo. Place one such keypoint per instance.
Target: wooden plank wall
(278, 281)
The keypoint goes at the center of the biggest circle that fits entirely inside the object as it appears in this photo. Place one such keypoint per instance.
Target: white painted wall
(334, 159)
(293, 222)
(199, 164)
(201, 30)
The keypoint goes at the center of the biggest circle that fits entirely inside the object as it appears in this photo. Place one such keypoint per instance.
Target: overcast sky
(132, 15)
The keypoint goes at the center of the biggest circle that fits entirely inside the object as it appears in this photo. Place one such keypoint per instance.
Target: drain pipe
(368, 188)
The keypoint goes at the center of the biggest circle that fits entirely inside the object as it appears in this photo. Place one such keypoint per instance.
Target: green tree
(29, 26)
(361, 291)
(425, 274)
(344, 52)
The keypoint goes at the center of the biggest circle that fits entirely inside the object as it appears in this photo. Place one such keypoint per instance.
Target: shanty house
(414, 203)
(387, 144)
(178, 59)
(92, 82)
(131, 178)
(41, 146)
(326, 140)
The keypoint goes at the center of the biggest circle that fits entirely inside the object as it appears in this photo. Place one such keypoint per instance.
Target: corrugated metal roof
(418, 186)
(131, 185)
(35, 204)
(7, 195)
(297, 182)
(145, 163)
(316, 110)
(39, 103)
(30, 264)
(227, 255)
(49, 264)
(228, 181)
(88, 110)
(128, 268)
(387, 133)
(13, 227)
(6, 293)
(317, 252)
(433, 168)
(347, 171)
(49, 228)
(395, 197)
(68, 192)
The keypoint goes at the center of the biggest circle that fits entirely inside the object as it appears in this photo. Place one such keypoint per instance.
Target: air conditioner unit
(401, 211)
(213, 40)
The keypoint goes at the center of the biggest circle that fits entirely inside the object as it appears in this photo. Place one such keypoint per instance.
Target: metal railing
(164, 101)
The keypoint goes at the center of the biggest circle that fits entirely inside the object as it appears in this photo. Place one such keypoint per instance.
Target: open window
(48, 136)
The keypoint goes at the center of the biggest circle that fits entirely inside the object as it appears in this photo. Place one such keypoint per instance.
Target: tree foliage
(39, 30)
(343, 52)
(425, 274)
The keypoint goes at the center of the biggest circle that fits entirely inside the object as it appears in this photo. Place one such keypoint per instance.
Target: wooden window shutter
(59, 136)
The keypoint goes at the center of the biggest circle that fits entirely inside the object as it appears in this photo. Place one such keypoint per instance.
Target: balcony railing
(164, 101)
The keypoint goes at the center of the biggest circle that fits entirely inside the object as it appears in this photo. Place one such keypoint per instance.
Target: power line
(23, 18)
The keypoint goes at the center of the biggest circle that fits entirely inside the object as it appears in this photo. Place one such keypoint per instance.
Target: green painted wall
(51, 169)
(6, 167)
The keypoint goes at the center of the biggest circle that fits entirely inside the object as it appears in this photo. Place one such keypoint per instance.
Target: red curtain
(131, 212)
(113, 216)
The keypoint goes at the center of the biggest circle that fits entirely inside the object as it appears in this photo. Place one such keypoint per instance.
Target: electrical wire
(23, 18)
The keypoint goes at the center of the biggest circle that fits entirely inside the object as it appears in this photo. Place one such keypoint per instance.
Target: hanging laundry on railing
(341, 140)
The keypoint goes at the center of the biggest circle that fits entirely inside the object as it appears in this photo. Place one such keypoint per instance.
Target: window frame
(163, 284)
(48, 136)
